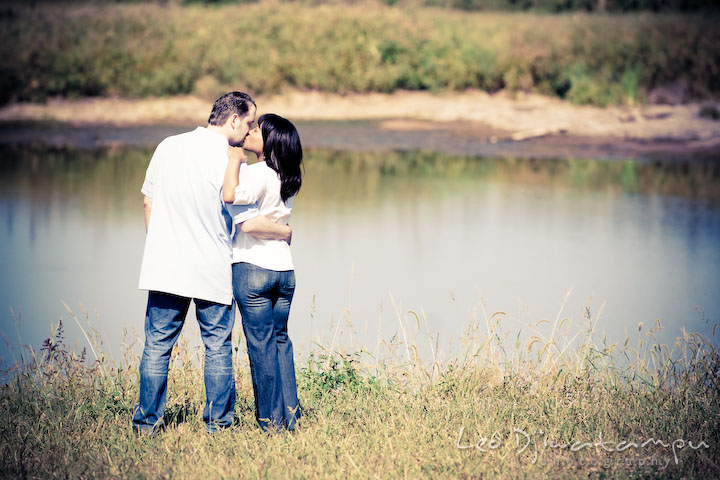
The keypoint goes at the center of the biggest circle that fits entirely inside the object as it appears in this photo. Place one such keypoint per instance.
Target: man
(188, 255)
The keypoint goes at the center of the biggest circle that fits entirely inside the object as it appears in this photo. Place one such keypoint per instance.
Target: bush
(150, 50)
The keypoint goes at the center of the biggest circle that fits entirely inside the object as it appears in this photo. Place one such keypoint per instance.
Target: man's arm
(259, 226)
(263, 227)
(147, 207)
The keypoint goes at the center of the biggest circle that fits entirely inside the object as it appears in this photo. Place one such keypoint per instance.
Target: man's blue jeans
(164, 320)
(264, 298)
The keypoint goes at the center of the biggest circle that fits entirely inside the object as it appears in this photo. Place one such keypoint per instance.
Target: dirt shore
(474, 114)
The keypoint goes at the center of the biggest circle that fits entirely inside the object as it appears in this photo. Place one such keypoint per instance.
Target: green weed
(138, 50)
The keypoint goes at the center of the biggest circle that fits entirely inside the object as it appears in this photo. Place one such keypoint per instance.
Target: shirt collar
(215, 136)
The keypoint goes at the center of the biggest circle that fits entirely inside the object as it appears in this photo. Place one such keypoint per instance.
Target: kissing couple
(218, 230)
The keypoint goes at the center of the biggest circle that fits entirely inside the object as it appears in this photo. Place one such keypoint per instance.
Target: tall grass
(554, 401)
(138, 50)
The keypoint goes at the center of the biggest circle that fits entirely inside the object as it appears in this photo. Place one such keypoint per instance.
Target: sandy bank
(500, 111)
(472, 114)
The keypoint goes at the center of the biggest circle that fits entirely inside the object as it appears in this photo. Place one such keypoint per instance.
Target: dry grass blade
(87, 338)
(386, 412)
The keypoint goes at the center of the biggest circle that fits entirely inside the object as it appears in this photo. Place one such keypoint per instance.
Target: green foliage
(328, 374)
(328, 380)
(630, 81)
(148, 50)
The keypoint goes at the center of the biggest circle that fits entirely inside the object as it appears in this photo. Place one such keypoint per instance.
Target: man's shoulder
(179, 138)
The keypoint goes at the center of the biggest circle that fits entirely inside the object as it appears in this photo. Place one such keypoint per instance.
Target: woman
(263, 272)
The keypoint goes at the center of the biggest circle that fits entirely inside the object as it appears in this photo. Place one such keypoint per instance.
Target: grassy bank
(556, 403)
(149, 49)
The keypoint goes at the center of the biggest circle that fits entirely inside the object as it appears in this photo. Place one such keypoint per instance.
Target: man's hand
(264, 228)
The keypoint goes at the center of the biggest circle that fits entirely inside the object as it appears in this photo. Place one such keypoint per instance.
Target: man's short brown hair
(228, 104)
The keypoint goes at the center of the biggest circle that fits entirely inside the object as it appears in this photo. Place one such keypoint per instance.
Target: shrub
(149, 50)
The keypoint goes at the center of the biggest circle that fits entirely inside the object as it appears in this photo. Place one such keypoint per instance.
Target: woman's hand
(237, 154)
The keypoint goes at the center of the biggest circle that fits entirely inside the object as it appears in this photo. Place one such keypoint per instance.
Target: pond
(452, 238)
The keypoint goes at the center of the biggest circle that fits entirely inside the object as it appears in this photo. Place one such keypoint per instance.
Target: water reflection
(439, 232)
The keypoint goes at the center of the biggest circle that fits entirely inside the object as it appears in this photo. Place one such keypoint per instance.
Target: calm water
(435, 234)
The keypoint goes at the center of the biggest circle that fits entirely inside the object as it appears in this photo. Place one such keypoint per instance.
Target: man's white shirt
(188, 248)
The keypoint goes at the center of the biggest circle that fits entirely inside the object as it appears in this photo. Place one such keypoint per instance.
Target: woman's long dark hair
(283, 152)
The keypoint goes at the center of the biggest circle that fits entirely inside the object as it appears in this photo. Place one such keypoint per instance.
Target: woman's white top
(260, 184)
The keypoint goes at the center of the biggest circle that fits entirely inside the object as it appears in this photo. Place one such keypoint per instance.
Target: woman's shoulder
(258, 166)
(262, 170)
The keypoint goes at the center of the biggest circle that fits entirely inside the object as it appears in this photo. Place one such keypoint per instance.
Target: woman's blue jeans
(164, 320)
(264, 298)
